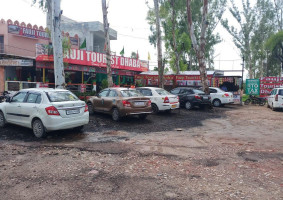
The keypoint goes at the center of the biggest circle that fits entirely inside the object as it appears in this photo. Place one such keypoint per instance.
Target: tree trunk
(159, 49)
(56, 35)
(173, 19)
(49, 15)
(199, 49)
(107, 43)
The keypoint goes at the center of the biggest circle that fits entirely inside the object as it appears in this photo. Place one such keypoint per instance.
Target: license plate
(205, 97)
(174, 106)
(70, 112)
(139, 103)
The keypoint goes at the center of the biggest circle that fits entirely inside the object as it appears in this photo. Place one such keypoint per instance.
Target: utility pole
(107, 43)
(242, 83)
(159, 49)
(56, 36)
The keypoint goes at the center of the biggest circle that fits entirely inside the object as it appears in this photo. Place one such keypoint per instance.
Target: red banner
(268, 83)
(89, 58)
(191, 77)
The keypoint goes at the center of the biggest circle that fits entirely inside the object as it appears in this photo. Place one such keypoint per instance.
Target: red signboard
(27, 32)
(268, 83)
(89, 58)
(153, 79)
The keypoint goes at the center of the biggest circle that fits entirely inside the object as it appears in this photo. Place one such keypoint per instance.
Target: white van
(275, 99)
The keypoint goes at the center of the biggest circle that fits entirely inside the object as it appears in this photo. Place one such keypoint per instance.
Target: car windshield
(280, 92)
(131, 93)
(162, 92)
(220, 90)
(59, 96)
(197, 91)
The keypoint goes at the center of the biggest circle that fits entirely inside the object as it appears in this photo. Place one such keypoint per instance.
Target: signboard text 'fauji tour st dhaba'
(95, 57)
(89, 58)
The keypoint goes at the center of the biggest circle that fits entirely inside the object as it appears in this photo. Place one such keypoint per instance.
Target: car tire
(216, 103)
(188, 105)
(142, 116)
(90, 108)
(154, 108)
(38, 129)
(2, 120)
(116, 114)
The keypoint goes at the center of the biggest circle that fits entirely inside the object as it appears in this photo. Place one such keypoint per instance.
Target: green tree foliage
(178, 26)
(275, 45)
(242, 37)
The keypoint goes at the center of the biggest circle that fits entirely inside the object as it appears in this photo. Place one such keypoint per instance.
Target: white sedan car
(161, 100)
(275, 99)
(44, 110)
(220, 97)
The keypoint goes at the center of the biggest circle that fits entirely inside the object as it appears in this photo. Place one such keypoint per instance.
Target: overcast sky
(127, 17)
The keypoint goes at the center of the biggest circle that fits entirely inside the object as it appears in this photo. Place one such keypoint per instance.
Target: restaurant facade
(26, 58)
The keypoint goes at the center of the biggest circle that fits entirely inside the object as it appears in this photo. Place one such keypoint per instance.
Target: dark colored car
(120, 102)
(191, 97)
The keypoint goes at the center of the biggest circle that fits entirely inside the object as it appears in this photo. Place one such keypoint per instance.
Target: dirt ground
(232, 152)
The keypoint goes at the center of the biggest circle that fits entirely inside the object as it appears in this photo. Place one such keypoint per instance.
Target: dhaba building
(26, 58)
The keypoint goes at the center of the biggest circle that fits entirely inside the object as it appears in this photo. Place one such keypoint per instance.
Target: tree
(242, 37)
(199, 45)
(107, 43)
(53, 23)
(275, 44)
(159, 49)
(264, 27)
(173, 17)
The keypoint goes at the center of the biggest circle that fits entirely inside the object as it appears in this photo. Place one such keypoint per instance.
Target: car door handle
(34, 107)
(18, 106)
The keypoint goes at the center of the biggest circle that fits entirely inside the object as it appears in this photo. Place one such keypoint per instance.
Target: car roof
(149, 88)
(42, 89)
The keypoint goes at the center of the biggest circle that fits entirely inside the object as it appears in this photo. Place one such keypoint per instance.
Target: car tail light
(86, 108)
(166, 100)
(197, 97)
(52, 111)
(226, 95)
(149, 103)
(276, 97)
(209, 97)
(126, 103)
(178, 98)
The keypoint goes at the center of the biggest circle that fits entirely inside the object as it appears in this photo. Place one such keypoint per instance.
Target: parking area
(231, 152)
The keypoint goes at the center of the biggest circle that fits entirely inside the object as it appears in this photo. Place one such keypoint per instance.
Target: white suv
(161, 100)
(275, 99)
(220, 97)
(44, 110)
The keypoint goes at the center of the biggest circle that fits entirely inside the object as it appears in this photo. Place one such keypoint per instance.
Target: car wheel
(188, 105)
(2, 120)
(90, 108)
(115, 114)
(216, 103)
(155, 109)
(38, 129)
(142, 116)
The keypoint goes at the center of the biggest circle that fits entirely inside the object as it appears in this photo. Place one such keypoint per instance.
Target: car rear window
(197, 91)
(60, 96)
(131, 93)
(162, 92)
(280, 92)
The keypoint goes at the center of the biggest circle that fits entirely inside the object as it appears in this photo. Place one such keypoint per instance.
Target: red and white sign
(268, 83)
(83, 87)
(89, 58)
(27, 32)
